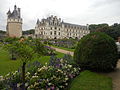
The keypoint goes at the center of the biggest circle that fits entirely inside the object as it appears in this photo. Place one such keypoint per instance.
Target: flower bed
(53, 76)
(49, 51)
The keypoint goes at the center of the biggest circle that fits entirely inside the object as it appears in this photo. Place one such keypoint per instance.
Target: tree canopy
(113, 30)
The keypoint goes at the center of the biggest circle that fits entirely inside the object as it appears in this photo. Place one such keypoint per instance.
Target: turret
(38, 21)
(15, 7)
(87, 26)
(19, 13)
(8, 13)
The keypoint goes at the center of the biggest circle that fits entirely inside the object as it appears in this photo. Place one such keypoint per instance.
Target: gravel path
(114, 75)
(63, 51)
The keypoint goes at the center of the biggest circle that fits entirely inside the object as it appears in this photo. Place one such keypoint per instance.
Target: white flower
(66, 79)
(35, 84)
(34, 76)
(18, 84)
(75, 69)
(69, 66)
(35, 73)
(66, 84)
(26, 84)
(16, 71)
(49, 84)
(1, 78)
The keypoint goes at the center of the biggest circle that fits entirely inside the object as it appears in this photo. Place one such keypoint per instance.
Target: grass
(68, 49)
(7, 65)
(91, 81)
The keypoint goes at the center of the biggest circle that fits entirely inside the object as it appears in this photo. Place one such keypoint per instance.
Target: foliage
(27, 32)
(2, 32)
(113, 30)
(37, 46)
(10, 40)
(94, 27)
(24, 52)
(11, 48)
(96, 51)
(49, 51)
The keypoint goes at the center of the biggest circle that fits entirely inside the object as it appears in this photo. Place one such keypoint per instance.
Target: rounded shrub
(96, 51)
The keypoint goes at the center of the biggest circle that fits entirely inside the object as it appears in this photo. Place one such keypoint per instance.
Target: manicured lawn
(68, 49)
(7, 65)
(91, 81)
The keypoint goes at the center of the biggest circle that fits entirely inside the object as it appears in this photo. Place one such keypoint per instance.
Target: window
(50, 33)
(59, 33)
(55, 27)
(51, 28)
(54, 32)
(59, 28)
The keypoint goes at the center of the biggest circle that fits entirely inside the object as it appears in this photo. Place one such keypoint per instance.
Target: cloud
(101, 3)
(73, 11)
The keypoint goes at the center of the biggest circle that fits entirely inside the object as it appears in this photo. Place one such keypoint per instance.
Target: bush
(96, 51)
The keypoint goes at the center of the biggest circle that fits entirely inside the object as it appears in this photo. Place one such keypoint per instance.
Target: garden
(66, 44)
(31, 65)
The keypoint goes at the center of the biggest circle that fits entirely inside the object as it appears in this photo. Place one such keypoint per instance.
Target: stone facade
(55, 28)
(14, 23)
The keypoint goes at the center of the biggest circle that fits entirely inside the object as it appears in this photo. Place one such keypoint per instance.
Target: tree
(94, 27)
(11, 48)
(96, 51)
(113, 30)
(25, 53)
(31, 31)
(38, 47)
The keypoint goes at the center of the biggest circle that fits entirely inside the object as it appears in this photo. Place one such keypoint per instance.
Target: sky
(80, 12)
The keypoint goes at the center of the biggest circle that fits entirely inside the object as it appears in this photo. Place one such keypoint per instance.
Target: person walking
(118, 46)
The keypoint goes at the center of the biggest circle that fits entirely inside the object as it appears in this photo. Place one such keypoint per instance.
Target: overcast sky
(72, 11)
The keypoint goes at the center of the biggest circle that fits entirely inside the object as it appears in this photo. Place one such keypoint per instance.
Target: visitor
(118, 46)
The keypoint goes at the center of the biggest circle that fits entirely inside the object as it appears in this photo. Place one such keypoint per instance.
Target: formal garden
(31, 64)
(66, 44)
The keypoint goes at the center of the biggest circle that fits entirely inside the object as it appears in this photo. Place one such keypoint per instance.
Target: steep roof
(15, 14)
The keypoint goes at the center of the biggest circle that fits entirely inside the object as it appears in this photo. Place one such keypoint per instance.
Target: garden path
(63, 51)
(114, 75)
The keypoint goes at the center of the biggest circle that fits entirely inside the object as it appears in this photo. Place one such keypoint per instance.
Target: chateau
(55, 28)
(14, 23)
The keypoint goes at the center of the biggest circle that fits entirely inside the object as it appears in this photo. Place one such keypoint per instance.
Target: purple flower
(52, 88)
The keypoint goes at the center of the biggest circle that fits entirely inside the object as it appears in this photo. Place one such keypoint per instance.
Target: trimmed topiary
(96, 51)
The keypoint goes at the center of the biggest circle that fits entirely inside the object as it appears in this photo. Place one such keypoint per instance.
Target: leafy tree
(25, 53)
(10, 40)
(12, 50)
(38, 47)
(94, 27)
(113, 30)
(31, 31)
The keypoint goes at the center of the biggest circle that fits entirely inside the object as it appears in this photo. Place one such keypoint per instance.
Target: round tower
(14, 23)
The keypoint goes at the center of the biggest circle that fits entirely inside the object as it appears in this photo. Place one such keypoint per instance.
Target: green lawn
(91, 81)
(7, 65)
(68, 49)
